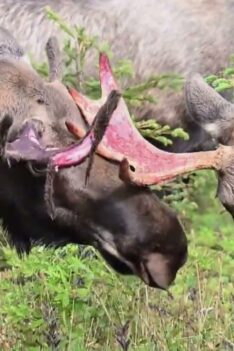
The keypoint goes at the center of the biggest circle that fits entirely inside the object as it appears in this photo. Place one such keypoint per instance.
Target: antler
(140, 162)
(88, 144)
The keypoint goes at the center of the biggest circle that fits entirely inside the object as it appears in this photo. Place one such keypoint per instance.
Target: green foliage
(153, 130)
(137, 94)
(223, 81)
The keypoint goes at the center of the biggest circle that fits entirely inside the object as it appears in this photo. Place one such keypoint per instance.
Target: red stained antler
(76, 154)
(141, 162)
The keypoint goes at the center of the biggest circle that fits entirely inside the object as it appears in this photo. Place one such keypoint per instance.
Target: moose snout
(16, 129)
(160, 270)
(36, 124)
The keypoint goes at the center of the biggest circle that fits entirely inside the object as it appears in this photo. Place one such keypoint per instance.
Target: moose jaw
(112, 135)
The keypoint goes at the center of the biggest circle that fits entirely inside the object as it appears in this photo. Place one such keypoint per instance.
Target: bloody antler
(140, 162)
(88, 144)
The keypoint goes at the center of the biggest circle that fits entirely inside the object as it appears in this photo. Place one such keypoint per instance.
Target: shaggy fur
(159, 36)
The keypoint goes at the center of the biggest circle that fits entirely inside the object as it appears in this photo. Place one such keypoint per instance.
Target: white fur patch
(106, 241)
(212, 128)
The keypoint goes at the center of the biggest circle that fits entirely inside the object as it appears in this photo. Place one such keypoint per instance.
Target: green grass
(59, 300)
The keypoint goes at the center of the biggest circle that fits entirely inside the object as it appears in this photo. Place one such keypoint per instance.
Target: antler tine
(75, 154)
(54, 59)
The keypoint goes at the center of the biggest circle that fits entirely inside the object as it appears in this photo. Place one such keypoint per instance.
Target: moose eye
(40, 101)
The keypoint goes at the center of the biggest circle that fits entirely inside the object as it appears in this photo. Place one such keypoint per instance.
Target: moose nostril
(5, 126)
(12, 134)
(38, 125)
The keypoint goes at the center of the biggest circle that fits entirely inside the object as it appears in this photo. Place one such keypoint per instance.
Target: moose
(170, 36)
(134, 232)
(51, 195)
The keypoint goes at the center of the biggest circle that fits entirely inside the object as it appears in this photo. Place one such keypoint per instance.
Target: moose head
(132, 229)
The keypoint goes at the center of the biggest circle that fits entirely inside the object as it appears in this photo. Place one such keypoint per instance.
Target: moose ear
(207, 108)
